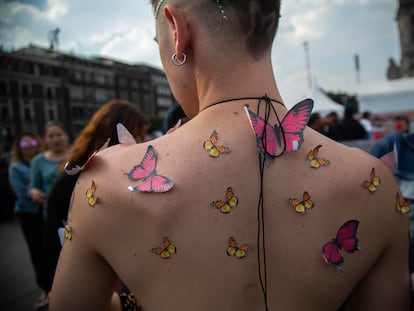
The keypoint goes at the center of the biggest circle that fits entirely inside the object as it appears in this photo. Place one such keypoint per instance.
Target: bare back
(214, 265)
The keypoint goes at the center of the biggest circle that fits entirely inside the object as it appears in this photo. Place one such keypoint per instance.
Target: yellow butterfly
(90, 194)
(67, 233)
(314, 161)
(373, 182)
(226, 206)
(404, 207)
(213, 149)
(301, 206)
(166, 251)
(236, 250)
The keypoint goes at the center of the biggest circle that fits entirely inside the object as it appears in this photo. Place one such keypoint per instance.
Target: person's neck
(56, 155)
(28, 159)
(252, 79)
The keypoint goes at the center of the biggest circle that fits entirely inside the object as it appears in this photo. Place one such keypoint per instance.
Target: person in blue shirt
(45, 165)
(29, 213)
(43, 173)
(401, 145)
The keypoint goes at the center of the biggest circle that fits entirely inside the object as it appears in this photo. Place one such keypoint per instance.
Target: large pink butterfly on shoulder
(145, 170)
(345, 239)
(286, 136)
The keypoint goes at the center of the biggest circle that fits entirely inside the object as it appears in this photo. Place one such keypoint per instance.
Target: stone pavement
(17, 280)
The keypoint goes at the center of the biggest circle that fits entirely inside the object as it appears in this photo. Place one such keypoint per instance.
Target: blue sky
(335, 30)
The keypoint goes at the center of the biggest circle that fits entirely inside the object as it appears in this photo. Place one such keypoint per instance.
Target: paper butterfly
(301, 206)
(372, 183)
(90, 194)
(213, 149)
(404, 207)
(235, 250)
(345, 239)
(316, 162)
(226, 206)
(124, 136)
(76, 169)
(64, 233)
(166, 251)
(151, 181)
(287, 136)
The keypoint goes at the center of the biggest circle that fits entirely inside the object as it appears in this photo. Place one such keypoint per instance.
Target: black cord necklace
(261, 240)
(265, 98)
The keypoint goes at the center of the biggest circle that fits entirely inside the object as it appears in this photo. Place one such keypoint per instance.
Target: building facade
(405, 21)
(39, 84)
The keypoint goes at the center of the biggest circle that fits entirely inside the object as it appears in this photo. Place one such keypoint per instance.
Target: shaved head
(250, 23)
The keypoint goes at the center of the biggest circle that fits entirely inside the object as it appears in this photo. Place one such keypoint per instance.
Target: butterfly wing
(294, 123)
(372, 183)
(61, 235)
(346, 236)
(211, 142)
(124, 136)
(223, 206)
(145, 167)
(169, 246)
(298, 205)
(153, 183)
(403, 207)
(90, 194)
(266, 140)
(232, 248)
(307, 201)
(231, 199)
(332, 255)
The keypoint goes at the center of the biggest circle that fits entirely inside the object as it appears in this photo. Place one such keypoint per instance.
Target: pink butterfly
(124, 136)
(152, 182)
(287, 136)
(345, 239)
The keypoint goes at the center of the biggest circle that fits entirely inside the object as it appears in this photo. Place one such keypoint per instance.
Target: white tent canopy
(323, 104)
(388, 97)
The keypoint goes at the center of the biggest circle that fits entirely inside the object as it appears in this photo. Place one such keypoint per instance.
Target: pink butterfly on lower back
(287, 136)
(345, 239)
(145, 170)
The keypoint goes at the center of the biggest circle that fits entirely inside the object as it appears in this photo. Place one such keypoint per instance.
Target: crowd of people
(145, 221)
(38, 175)
(348, 127)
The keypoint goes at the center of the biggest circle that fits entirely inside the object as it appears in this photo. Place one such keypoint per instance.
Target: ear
(177, 23)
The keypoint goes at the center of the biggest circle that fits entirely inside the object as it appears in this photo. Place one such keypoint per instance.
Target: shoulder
(101, 191)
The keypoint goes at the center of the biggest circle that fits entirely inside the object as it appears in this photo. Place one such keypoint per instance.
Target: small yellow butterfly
(67, 233)
(166, 251)
(90, 194)
(213, 149)
(373, 182)
(238, 251)
(316, 162)
(404, 207)
(301, 206)
(226, 206)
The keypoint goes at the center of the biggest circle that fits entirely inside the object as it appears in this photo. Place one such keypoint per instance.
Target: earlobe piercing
(178, 62)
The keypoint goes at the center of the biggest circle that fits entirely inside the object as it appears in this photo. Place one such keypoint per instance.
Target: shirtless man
(227, 231)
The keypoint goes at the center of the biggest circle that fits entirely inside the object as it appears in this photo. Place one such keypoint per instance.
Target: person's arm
(57, 211)
(386, 285)
(35, 192)
(383, 146)
(83, 279)
(18, 183)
